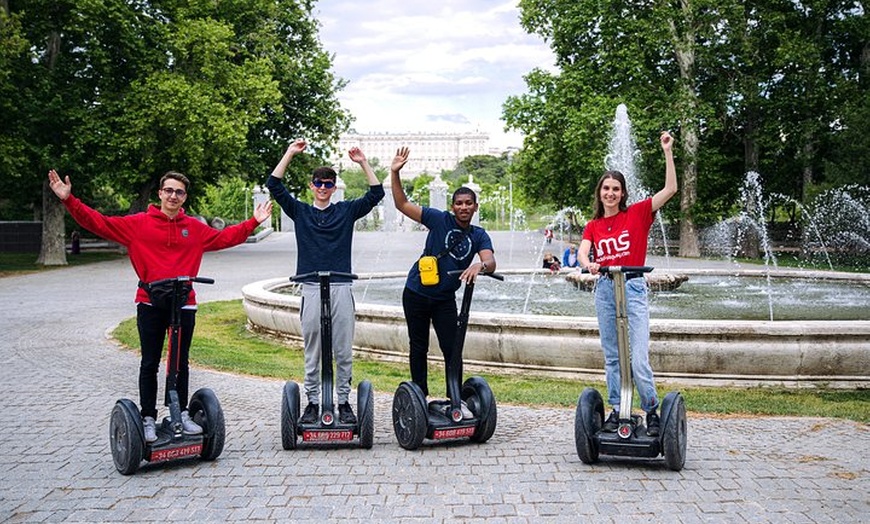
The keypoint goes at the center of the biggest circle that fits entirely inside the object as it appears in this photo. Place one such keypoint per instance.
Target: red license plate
(327, 436)
(465, 431)
(176, 453)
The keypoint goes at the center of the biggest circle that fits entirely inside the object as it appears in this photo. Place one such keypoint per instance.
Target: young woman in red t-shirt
(619, 235)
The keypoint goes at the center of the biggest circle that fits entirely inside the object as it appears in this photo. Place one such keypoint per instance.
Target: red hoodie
(160, 247)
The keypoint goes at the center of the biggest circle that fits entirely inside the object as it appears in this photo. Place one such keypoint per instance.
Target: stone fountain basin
(790, 353)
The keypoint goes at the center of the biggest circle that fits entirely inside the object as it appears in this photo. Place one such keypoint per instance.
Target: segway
(630, 438)
(328, 429)
(415, 420)
(126, 431)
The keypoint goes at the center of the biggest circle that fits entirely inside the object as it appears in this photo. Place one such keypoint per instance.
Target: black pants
(420, 311)
(153, 324)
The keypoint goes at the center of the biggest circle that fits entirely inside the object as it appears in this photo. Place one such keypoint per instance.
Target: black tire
(478, 395)
(205, 410)
(290, 415)
(366, 408)
(588, 419)
(126, 437)
(410, 420)
(674, 431)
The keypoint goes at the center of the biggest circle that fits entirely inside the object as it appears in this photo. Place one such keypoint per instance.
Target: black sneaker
(345, 414)
(653, 425)
(312, 411)
(611, 423)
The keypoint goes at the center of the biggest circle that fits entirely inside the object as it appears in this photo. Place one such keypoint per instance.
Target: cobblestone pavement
(60, 376)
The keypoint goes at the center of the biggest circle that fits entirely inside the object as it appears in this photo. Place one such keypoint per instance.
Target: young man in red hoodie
(162, 242)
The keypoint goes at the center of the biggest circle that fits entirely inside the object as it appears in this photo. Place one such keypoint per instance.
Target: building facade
(430, 152)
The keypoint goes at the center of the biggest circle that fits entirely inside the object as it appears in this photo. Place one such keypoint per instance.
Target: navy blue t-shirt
(444, 232)
(324, 237)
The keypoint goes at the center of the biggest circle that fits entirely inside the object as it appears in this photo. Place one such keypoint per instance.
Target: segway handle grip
(199, 280)
(457, 272)
(622, 269)
(306, 276)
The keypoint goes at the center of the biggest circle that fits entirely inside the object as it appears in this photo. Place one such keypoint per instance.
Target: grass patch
(222, 342)
(23, 263)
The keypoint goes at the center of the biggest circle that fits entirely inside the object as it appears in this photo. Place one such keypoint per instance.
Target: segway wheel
(675, 432)
(588, 420)
(409, 416)
(366, 409)
(205, 410)
(126, 437)
(478, 395)
(290, 415)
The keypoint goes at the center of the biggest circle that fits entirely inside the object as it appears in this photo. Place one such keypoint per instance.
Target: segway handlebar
(457, 272)
(622, 269)
(198, 280)
(305, 276)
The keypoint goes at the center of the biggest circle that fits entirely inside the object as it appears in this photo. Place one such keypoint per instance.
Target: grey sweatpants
(342, 305)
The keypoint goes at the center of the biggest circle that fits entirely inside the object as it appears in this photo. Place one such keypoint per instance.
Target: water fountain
(831, 352)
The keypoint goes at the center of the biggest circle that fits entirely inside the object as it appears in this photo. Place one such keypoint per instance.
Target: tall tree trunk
(684, 52)
(689, 246)
(750, 246)
(140, 203)
(53, 249)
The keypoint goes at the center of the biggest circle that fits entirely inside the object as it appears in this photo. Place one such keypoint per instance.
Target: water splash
(623, 156)
(811, 221)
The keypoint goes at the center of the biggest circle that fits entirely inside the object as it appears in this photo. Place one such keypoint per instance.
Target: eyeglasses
(328, 184)
(178, 192)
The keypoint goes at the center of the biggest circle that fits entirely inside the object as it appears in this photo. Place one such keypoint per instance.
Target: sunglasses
(178, 192)
(328, 184)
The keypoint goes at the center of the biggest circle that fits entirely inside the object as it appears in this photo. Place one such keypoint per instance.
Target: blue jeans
(638, 334)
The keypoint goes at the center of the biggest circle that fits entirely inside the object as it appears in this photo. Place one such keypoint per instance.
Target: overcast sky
(430, 65)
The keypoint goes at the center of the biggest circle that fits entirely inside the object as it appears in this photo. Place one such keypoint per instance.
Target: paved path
(60, 376)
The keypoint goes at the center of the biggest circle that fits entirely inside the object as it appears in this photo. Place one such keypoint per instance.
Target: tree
(765, 85)
(115, 93)
(608, 53)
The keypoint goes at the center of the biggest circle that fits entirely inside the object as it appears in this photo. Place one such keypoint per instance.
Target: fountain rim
(722, 325)
(787, 348)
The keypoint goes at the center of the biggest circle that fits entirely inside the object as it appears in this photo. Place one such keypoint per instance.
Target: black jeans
(420, 311)
(153, 324)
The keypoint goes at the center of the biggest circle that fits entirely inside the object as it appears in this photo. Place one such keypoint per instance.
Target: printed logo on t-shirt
(462, 247)
(184, 233)
(613, 247)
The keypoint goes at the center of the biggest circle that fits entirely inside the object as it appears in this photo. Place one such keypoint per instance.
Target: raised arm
(295, 147)
(407, 208)
(661, 198)
(61, 188)
(359, 157)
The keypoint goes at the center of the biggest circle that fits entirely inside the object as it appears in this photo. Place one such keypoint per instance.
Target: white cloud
(419, 65)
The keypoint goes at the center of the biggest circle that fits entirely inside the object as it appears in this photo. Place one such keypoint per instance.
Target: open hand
(400, 159)
(263, 211)
(61, 188)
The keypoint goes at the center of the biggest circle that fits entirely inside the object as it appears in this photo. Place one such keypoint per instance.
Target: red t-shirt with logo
(621, 240)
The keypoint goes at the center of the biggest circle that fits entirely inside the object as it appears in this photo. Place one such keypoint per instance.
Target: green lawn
(222, 342)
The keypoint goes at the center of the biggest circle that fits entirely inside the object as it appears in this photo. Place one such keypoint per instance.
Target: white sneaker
(466, 413)
(189, 427)
(150, 428)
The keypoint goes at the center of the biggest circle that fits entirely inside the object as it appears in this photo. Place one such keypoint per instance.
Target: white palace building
(430, 152)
